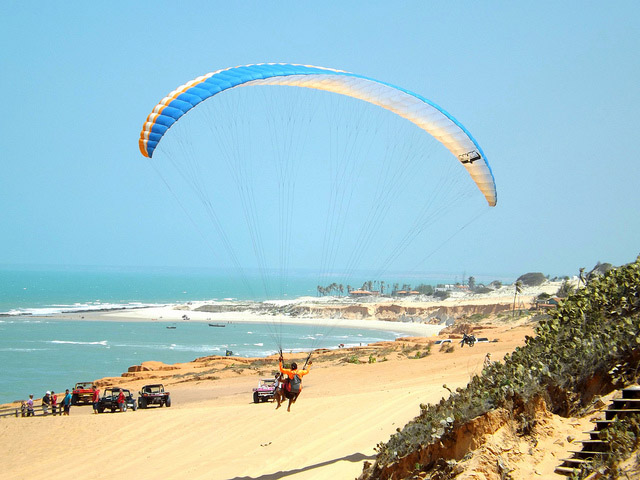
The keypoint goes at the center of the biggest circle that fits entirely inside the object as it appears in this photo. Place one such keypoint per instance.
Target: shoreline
(419, 314)
(169, 314)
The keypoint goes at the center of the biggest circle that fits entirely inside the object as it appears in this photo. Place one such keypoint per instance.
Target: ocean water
(52, 290)
(40, 290)
(39, 353)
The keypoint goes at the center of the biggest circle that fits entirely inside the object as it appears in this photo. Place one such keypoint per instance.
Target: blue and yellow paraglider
(376, 180)
(415, 108)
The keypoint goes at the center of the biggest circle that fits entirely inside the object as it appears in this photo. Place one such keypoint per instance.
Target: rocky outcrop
(150, 367)
(394, 312)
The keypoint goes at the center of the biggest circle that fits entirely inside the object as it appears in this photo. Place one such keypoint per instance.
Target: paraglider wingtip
(143, 148)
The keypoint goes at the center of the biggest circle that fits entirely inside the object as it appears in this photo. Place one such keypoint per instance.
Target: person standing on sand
(96, 399)
(66, 402)
(54, 403)
(46, 401)
(30, 406)
(293, 385)
(121, 402)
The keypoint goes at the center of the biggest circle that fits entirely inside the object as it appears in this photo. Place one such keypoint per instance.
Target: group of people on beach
(49, 401)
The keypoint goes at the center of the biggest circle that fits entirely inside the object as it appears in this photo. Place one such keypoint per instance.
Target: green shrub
(447, 348)
(424, 289)
(595, 332)
(353, 359)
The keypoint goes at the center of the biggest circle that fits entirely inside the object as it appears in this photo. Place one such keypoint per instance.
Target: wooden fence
(37, 411)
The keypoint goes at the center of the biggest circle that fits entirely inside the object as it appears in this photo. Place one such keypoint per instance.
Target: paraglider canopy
(415, 108)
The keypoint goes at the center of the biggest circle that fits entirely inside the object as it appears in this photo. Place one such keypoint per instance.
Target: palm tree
(472, 283)
(341, 288)
(581, 278)
(518, 289)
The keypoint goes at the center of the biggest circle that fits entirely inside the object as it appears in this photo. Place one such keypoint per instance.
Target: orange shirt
(291, 373)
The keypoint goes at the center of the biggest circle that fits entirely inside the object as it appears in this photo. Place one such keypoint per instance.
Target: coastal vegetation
(441, 290)
(588, 346)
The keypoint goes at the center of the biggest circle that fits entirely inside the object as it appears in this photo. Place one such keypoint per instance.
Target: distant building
(551, 302)
(444, 288)
(405, 293)
(361, 293)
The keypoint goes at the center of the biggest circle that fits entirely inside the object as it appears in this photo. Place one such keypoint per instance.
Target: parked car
(154, 395)
(265, 390)
(83, 393)
(109, 400)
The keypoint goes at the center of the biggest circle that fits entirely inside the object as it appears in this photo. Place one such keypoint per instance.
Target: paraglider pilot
(293, 382)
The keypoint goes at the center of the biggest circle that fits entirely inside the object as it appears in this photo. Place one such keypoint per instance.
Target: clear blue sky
(549, 89)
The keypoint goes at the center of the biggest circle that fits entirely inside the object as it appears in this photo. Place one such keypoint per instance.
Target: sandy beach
(214, 431)
(404, 314)
(170, 314)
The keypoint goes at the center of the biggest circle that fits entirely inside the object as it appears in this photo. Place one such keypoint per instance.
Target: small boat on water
(171, 327)
(217, 325)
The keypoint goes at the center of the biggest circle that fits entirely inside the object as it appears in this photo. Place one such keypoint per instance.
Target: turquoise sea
(40, 290)
(39, 353)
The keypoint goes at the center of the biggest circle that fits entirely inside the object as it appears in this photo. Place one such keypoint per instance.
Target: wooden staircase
(629, 404)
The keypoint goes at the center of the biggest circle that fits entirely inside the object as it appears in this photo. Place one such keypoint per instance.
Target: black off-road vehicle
(154, 395)
(109, 400)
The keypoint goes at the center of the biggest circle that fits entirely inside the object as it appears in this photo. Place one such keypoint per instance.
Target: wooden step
(574, 460)
(592, 448)
(631, 392)
(620, 413)
(593, 445)
(626, 399)
(601, 424)
(566, 470)
(587, 453)
(632, 402)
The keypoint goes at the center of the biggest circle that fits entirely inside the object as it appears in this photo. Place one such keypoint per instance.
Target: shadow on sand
(355, 457)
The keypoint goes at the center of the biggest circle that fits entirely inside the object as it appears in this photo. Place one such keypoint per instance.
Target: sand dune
(214, 431)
